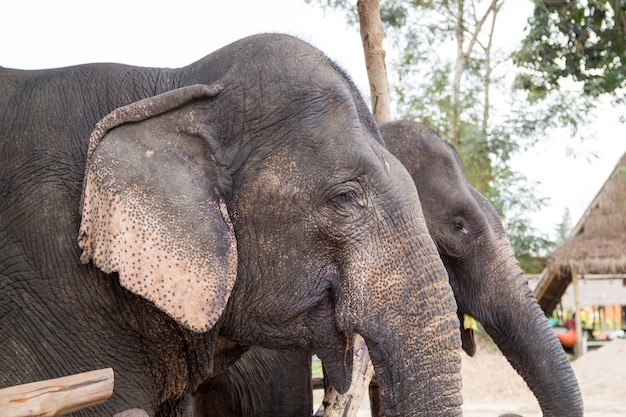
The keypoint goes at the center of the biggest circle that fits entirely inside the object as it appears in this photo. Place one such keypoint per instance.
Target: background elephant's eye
(460, 226)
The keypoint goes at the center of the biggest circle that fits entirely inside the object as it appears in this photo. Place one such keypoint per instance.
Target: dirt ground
(491, 387)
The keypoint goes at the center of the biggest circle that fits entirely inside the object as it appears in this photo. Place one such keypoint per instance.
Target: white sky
(45, 34)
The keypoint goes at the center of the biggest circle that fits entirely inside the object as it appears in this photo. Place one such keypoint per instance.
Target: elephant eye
(347, 197)
(460, 226)
(347, 194)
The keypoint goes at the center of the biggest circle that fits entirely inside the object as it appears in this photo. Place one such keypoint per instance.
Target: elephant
(487, 281)
(486, 278)
(161, 221)
(263, 382)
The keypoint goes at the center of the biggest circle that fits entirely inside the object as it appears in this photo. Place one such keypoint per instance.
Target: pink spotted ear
(152, 211)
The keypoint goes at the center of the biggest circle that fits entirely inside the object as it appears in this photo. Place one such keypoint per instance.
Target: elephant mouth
(468, 325)
(337, 365)
(331, 345)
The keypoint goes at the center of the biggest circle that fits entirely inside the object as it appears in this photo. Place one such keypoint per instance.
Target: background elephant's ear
(152, 212)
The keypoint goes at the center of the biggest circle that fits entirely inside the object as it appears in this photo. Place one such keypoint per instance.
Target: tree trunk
(371, 29)
(462, 59)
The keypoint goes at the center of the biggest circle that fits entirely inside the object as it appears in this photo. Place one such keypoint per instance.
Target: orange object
(567, 338)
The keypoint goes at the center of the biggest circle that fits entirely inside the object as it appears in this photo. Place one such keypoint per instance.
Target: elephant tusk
(469, 322)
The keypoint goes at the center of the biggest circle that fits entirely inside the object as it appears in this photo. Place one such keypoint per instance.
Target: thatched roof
(597, 244)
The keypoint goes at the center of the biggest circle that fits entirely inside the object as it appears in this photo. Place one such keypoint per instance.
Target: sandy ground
(491, 387)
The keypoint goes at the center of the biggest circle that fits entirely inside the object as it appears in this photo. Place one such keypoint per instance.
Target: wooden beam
(550, 289)
(577, 316)
(59, 396)
(599, 277)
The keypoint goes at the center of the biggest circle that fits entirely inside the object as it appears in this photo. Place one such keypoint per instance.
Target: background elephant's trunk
(529, 343)
(410, 328)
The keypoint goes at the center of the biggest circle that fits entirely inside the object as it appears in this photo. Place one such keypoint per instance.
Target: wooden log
(347, 404)
(59, 396)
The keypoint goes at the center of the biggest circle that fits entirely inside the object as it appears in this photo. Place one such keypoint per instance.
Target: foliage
(419, 31)
(584, 40)
(422, 36)
(529, 244)
(564, 228)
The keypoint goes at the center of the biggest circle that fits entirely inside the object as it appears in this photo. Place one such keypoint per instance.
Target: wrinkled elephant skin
(245, 199)
(487, 281)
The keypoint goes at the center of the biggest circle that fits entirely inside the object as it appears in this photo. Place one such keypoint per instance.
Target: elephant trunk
(421, 380)
(531, 346)
(411, 330)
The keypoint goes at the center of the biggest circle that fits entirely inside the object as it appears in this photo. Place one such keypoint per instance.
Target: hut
(595, 249)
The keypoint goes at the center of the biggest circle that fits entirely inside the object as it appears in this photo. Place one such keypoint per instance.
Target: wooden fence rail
(59, 396)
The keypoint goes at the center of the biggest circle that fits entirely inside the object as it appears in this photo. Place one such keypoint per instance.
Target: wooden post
(56, 397)
(347, 404)
(577, 317)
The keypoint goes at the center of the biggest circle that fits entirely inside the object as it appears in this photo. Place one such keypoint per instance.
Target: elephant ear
(151, 209)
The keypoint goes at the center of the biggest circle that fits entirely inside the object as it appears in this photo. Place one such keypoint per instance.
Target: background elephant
(486, 278)
(487, 281)
(246, 199)
(263, 382)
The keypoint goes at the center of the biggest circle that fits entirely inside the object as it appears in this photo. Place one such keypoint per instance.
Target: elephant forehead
(278, 178)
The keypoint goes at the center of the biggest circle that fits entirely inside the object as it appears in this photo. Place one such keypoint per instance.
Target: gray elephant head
(487, 281)
(246, 199)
